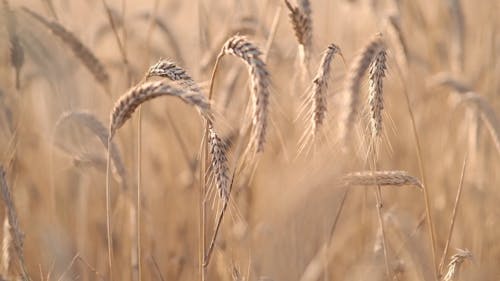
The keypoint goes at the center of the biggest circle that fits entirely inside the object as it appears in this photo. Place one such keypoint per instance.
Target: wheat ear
(300, 17)
(245, 50)
(83, 53)
(376, 92)
(455, 263)
(128, 103)
(352, 84)
(218, 148)
(319, 91)
(16, 49)
(15, 230)
(388, 178)
(90, 121)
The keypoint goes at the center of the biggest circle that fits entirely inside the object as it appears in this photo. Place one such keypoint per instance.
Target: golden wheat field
(250, 140)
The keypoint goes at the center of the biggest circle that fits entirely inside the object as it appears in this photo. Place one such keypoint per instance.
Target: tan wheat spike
(300, 17)
(240, 47)
(352, 83)
(7, 249)
(318, 95)
(455, 263)
(218, 148)
(446, 79)
(90, 121)
(395, 178)
(15, 230)
(376, 92)
(83, 53)
(467, 95)
(128, 103)
(487, 113)
(16, 49)
(168, 69)
(219, 163)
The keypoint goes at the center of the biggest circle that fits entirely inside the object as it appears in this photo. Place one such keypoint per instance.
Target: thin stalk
(453, 216)
(378, 195)
(421, 168)
(138, 203)
(108, 217)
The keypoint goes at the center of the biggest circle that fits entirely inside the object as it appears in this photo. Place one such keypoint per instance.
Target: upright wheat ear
(84, 54)
(218, 148)
(240, 47)
(353, 83)
(319, 91)
(16, 49)
(376, 92)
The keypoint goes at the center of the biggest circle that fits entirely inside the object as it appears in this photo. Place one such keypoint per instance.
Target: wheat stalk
(16, 49)
(376, 92)
(455, 263)
(240, 47)
(352, 83)
(83, 53)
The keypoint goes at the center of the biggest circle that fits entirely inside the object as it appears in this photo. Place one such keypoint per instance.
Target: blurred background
(281, 213)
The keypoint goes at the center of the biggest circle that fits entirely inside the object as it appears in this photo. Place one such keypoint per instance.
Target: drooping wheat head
(454, 266)
(242, 48)
(300, 17)
(128, 103)
(217, 147)
(168, 69)
(352, 84)
(90, 121)
(83, 53)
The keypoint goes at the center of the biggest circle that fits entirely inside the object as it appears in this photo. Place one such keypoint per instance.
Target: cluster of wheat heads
(367, 70)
